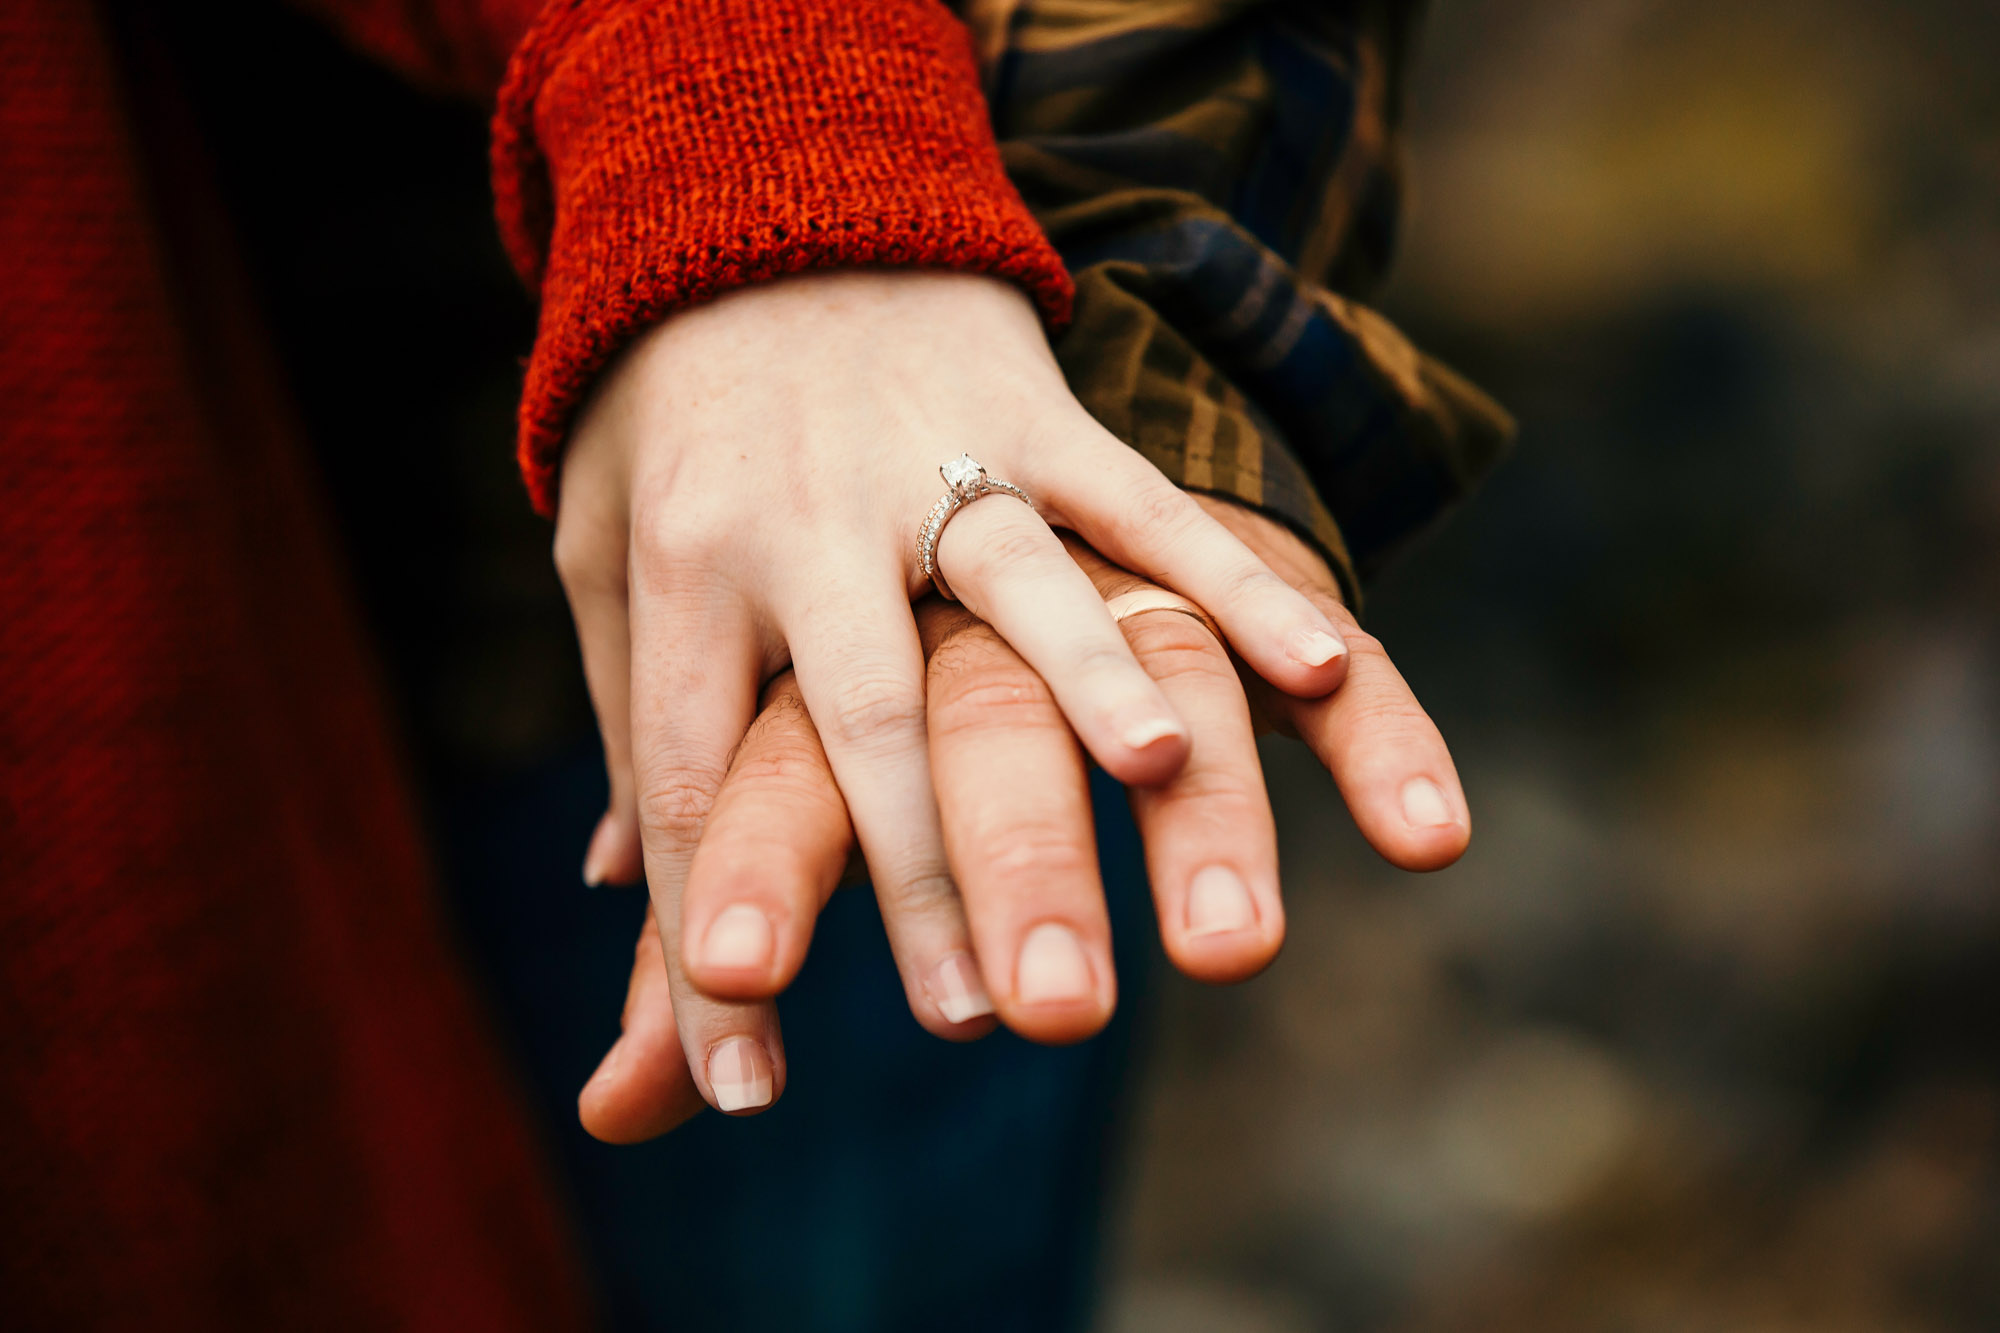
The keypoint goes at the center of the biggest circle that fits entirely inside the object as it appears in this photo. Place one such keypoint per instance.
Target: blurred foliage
(1701, 1035)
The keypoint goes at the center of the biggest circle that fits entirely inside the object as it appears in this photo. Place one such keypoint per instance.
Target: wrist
(650, 158)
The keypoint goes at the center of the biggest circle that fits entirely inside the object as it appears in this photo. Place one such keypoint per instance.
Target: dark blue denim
(902, 1183)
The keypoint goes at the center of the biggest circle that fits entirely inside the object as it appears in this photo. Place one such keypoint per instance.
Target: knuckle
(568, 553)
(1327, 599)
(668, 551)
(1033, 856)
(926, 892)
(657, 535)
(583, 564)
(1158, 510)
(1392, 721)
(1360, 643)
(1173, 640)
(966, 650)
(993, 699)
(686, 577)
(674, 806)
(783, 765)
(742, 869)
(1194, 663)
(1102, 659)
(1012, 549)
(1250, 578)
(874, 710)
(1224, 794)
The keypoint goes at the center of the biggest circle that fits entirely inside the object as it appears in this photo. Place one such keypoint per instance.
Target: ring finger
(1128, 510)
(1211, 844)
(681, 755)
(1011, 570)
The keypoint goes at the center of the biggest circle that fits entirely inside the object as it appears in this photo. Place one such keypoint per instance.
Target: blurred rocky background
(1701, 1037)
(1701, 1034)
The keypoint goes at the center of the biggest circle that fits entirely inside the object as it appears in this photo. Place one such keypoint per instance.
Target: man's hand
(1011, 787)
(745, 491)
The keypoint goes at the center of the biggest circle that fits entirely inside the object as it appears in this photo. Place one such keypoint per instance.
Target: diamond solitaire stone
(961, 472)
(967, 482)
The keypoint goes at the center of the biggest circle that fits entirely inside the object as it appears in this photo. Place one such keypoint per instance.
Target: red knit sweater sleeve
(650, 156)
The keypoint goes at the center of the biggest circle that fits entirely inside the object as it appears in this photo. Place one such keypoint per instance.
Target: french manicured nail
(739, 939)
(1052, 968)
(739, 1073)
(1424, 805)
(1139, 735)
(1316, 647)
(958, 991)
(595, 855)
(1149, 726)
(1219, 902)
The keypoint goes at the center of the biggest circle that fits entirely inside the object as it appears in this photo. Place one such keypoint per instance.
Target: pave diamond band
(968, 481)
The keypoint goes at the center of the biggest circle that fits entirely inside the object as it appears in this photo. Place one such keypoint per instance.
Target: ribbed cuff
(648, 157)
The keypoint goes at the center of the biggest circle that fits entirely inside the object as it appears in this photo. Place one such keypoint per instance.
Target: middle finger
(1211, 843)
(860, 667)
(1015, 800)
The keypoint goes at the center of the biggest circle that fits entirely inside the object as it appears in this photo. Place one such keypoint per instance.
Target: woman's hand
(1018, 823)
(745, 490)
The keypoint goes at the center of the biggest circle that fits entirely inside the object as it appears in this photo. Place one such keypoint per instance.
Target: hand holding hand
(1017, 822)
(745, 491)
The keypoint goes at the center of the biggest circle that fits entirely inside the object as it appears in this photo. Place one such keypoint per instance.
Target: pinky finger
(598, 603)
(642, 1088)
(1386, 756)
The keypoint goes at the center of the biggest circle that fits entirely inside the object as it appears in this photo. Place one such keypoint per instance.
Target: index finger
(690, 708)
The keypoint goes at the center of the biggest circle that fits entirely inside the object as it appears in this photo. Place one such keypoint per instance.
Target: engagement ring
(968, 481)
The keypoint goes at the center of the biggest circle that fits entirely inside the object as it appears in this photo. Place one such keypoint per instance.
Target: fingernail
(1219, 902)
(1424, 805)
(1316, 647)
(958, 991)
(740, 937)
(1151, 726)
(594, 856)
(739, 1073)
(1052, 967)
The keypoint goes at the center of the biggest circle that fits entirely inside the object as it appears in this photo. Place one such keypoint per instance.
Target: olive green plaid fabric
(1222, 177)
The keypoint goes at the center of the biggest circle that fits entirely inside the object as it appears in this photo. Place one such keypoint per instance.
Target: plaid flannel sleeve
(1222, 179)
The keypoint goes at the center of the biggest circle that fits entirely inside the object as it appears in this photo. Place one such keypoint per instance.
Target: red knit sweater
(241, 1082)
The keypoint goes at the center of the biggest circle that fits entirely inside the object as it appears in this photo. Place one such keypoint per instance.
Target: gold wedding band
(1141, 600)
